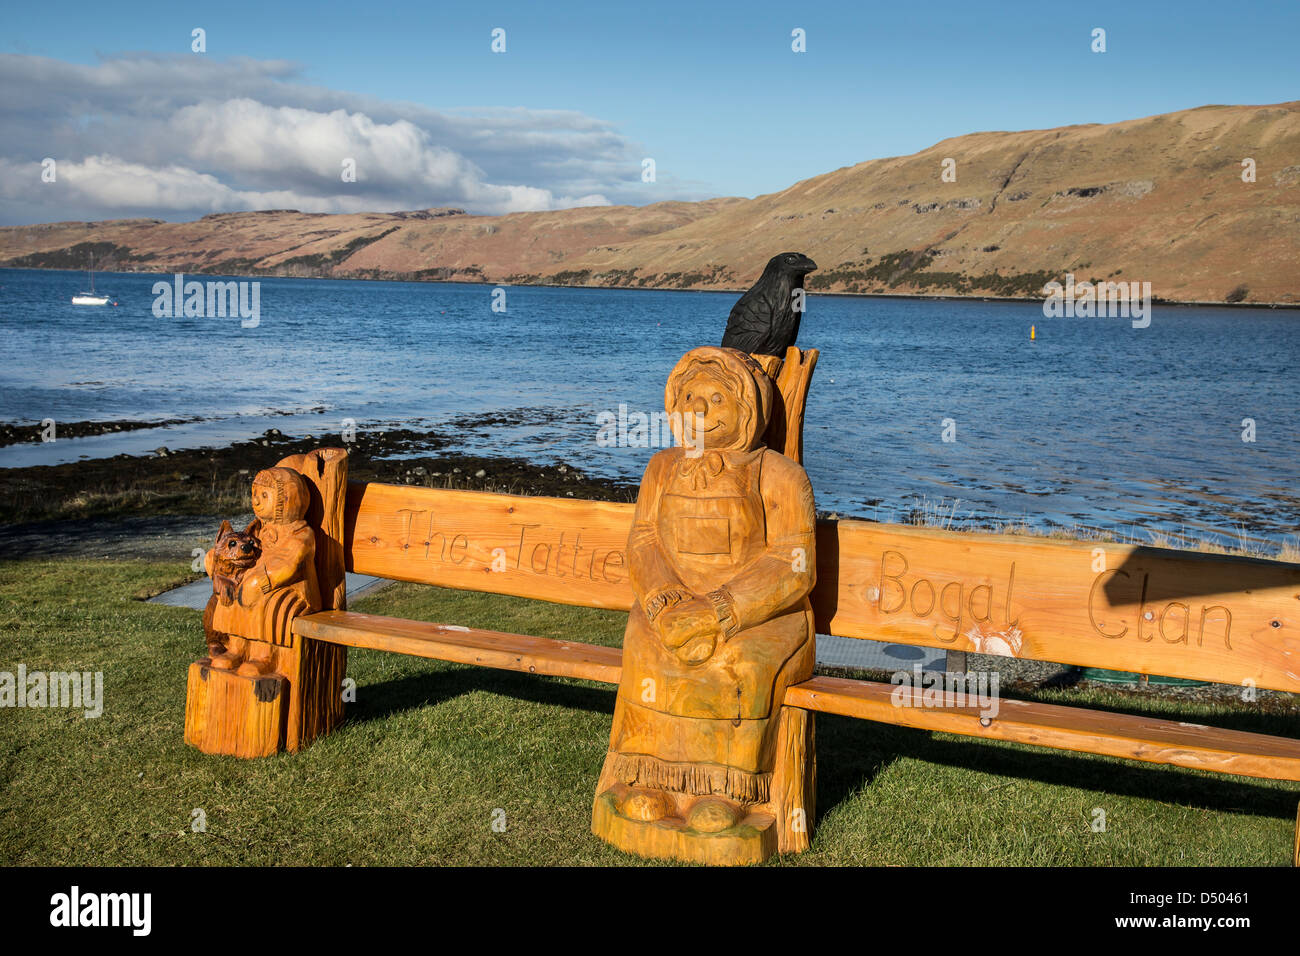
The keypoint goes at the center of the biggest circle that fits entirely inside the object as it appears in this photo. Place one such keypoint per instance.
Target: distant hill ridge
(1158, 199)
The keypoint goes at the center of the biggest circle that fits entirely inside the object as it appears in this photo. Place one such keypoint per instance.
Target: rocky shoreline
(215, 480)
(12, 433)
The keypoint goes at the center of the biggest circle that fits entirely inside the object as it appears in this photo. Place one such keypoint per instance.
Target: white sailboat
(90, 298)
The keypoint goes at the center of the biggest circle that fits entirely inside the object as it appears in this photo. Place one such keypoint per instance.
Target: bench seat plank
(1064, 728)
(1045, 725)
(463, 645)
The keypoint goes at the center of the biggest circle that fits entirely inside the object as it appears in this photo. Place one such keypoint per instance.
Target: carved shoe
(712, 815)
(646, 805)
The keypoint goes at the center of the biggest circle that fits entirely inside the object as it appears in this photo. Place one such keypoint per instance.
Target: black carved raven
(765, 320)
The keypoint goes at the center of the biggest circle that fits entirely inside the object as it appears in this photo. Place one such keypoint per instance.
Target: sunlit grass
(431, 751)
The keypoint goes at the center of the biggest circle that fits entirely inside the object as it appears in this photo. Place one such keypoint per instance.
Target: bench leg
(315, 671)
(794, 780)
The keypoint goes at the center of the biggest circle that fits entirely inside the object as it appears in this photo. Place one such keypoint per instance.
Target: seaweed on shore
(217, 480)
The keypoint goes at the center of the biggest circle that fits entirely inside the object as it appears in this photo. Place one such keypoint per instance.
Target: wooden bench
(1121, 607)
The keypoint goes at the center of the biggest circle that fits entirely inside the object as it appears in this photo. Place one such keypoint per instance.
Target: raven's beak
(807, 265)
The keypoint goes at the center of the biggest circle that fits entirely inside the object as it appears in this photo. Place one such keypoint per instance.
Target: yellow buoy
(1031, 333)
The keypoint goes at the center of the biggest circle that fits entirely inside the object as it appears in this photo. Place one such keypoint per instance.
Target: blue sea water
(1094, 423)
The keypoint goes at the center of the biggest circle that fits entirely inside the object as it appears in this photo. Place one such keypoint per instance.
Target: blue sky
(711, 91)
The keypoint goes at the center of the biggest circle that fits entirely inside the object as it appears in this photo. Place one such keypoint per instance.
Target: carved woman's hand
(690, 629)
(693, 617)
(697, 650)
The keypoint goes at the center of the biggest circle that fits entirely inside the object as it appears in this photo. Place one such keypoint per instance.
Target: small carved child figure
(721, 556)
(280, 586)
(235, 552)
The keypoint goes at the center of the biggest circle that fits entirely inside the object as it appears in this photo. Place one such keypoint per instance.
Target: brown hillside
(1159, 199)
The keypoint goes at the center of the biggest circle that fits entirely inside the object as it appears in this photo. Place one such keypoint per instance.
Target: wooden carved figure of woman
(280, 586)
(704, 761)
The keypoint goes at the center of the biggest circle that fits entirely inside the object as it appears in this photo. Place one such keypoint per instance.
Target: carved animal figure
(766, 319)
(235, 552)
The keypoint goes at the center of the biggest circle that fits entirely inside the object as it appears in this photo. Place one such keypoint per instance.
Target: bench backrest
(1122, 607)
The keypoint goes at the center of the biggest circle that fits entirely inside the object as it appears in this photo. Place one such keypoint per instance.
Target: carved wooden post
(705, 763)
(264, 688)
(793, 377)
(315, 669)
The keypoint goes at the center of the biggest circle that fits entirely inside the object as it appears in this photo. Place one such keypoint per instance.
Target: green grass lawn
(431, 752)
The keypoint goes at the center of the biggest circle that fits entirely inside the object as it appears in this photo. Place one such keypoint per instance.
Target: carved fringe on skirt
(741, 786)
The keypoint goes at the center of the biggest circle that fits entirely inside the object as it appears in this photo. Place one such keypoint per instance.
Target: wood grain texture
(315, 671)
(463, 645)
(793, 377)
(280, 585)
(326, 470)
(1123, 607)
(794, 783)
(319, 670)
(228, 713)
(727, 578)
(752, 840)
(1151, 610)
(551, 549)
(299, 570)
(1147, 739)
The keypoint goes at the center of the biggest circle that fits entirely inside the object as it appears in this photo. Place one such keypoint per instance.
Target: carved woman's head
(280, 495)
(719, 400)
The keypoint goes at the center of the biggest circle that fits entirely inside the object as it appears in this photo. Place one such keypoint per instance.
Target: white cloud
(144, 135)
(109, 185)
